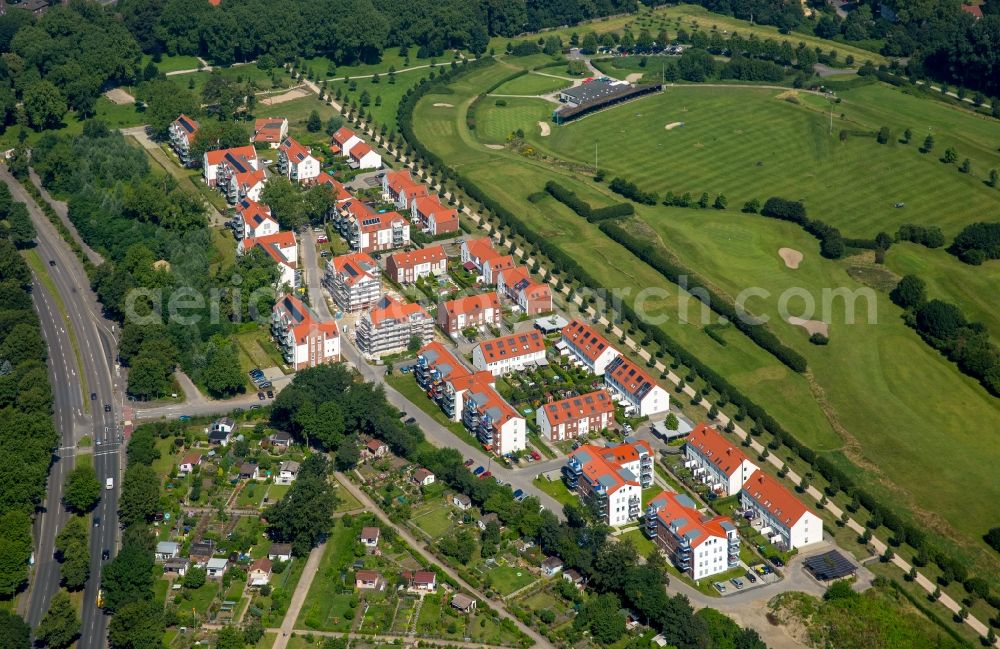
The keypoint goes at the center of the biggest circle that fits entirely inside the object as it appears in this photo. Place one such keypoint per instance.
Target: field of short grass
(386, 95)
(174, 63)
(498, 117)
(327, 607)
(533, 84)
(507, 579)
(433, 518)
(557, 489)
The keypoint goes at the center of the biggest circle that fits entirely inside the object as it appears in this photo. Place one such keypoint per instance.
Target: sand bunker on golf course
(812, 326)
(443, 105)
(672, 125)
(495, 147)
(791, 257)
(544, 127)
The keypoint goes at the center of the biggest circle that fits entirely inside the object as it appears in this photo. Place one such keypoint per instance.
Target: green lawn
(251, 495)
(557, 489)
(407, 386)
(507, 579)
(387, 95)
(345, 499)
(430, 615)
(534, 84)
(872, 380)
(496, 121)
(639, 540)
(172, 63)
(433, 519)
(327, 605)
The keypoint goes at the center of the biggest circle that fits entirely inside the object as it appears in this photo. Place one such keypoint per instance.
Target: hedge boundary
(569, 198)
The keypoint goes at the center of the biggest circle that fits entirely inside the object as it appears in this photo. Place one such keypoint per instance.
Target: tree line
(583, 208)
(613, 568)
(154, 237)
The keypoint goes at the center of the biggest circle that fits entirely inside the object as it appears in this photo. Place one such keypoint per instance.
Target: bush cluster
(583, 208)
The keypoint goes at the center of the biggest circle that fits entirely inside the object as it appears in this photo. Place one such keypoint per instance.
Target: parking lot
(757, 576)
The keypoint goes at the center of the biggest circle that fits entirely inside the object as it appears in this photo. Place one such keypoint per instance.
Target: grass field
(173, 63)
(868, 397)
(507, 579)
(495, 122)
(432, 518)
(533, 84)
(557, 489)
(749, 143)
(388, 95)
(327, 605)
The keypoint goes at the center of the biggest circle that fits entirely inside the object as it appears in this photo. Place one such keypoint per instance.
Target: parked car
(479, 471)
(410, 420)
(719, 586)
(519, 495)
(778, 563)
(255, 407)
(535, 456)
(737, 582)
(751, 577)
(260, 396)
(256, 372)
(265, 385)
(52, 262)
(270, 394)
(488, 474)
(469, 461)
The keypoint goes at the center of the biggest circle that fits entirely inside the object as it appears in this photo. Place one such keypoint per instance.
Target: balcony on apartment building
(572, 471)
(471, 418)
(646, 470)
(682, 555)
(734, 551)
(652, 523)
(634, 506)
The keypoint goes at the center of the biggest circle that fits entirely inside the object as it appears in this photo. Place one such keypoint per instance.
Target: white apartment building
(636, 388)
(510, 353)
(613, 477)
(698, 545)
(354, 281)
(716, 462)
(778, 514)
(589, 348)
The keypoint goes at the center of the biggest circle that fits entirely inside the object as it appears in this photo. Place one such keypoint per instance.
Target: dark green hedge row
(583, 208)
(675, 272)
(833, 245)
(630, 190)
(912, 535)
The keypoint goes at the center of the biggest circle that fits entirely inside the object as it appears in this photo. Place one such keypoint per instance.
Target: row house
(575, 416)
(256, 219)
(389, 327)
(243, 157)
(182, 132)
(408, 267)
(612, 478)
(282, 248)
(511, 353)
(398, 187)
(433, 217)
(479, 256)
(777, 514)
(354, 281)
(716, 462)
(304, 339)
(343, 141)
(473, 311)
(533, 298)
(296, 162)
(698, 545)
(269, 131)
(640, 394)
(494, 422)
(587, 347)
(368, 231)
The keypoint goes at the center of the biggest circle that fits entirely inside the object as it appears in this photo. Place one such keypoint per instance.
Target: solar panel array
(830, 565)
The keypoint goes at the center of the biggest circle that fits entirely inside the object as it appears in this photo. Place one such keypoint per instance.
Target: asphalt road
(77, 414)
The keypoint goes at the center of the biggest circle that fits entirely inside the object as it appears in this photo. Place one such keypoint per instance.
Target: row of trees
(944, 327)
(613, 568)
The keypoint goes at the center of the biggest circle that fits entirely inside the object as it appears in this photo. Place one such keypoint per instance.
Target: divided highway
(84, 381)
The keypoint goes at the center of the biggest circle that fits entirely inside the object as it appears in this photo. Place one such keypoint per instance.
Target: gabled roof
(422, 474)
(425, 577)
(192, 458)
(537, 291)
(775, 498)
(603, 470)
(339, 191)
(974, 10)
(370, 533)
(368, 576)
(263, 564)
(392, 310)
(369, 220)
(513, 277)
(354, 267)
(512, 346)
(585, 340)
(481, 248)
(274, 245)
(488, 401)
(360, 150)
(573, 408)
(342, 135)
(268, 129)
(679, 513)
(188, 126)
(430, 255)
(293, 151)
(401, 181)
(715, 448)
(499, 263)
(303, 322)
(471, 305)
(440, 358)
(235, 154)
(254, 214)
(631, 377)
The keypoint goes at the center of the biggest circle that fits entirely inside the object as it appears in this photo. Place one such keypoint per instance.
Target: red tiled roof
(368, 576)
(274, 245)
(339, 191)
(399, 181)
(716, 448)
(471, 304)
(359, 150)
(342, 135)
(512, 346)
(975, 10)
(268, 129)
(512, 276)
(294, 151)
(500, 411)
(217, 156)
(633, 378)
(585, 340)
(431, 254)
(775, 498)
(304, 319)
(425, 577)
(687, 521)
(499, 262)
(573, 408)
(254, 213)
(263, 564)
(599, 467)
(626, 452)
(189, 125)
(481, 248)
(392, 309)
(191, 458)
(354, 267)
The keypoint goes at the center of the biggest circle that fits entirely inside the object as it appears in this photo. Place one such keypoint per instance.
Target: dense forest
(153, 236)
(29, 436)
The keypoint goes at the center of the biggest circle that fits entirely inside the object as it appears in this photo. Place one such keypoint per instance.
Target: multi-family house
(363, 156)
(531, 297)
(637, 390)
(408, 267)
(182, 132)
(472, 311)
(716, 462)
(433, 217)
(444, 377)
(575, 416)
(296, 162)
(304, 339)
(368, 231)
(241, 158)
(389, 327)
(611, 478)
(354, 281)
(280, 247)
(777, 514)
(509, 353)
(340, 193)
(269, 131)
(494, 422)
(698, 545)
(399, 187)
(479, 256)
(256, 218)
(587, 347)
(343, 141)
